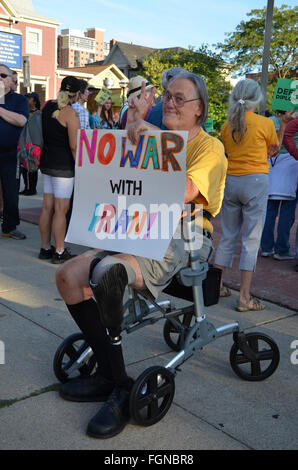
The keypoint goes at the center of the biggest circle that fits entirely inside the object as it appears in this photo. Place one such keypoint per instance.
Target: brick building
(76, 48)
(23, 32)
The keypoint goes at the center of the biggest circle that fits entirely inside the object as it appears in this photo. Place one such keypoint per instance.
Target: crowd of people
(234, 176)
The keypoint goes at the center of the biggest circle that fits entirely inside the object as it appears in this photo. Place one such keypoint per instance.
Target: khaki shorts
(158, 274)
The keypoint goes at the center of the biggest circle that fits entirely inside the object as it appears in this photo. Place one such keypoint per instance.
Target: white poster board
(128, 198)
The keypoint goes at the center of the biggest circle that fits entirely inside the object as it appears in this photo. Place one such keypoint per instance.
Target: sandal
(224, 292)
(253, 304)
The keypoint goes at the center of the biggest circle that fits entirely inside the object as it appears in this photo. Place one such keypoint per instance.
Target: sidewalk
(212, 407)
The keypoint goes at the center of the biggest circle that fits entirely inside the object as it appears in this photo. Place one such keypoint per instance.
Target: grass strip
(36, 393)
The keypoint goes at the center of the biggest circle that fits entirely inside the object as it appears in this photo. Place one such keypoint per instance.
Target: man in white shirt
(79, 105)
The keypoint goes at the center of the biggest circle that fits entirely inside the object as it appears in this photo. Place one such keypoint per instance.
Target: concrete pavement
(212, 407)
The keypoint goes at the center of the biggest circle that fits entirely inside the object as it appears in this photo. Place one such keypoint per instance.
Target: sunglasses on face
(4, 75)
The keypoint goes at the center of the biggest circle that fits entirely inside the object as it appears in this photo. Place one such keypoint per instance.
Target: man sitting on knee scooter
(93, 287)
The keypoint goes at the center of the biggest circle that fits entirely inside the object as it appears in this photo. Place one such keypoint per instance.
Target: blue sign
(11, 50)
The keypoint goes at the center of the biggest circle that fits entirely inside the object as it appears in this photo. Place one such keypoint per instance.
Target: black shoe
(108, 294)
(112, 417)
(46, 253)
(87, 389)
(29, 192)
(59, 259)
(23, 193)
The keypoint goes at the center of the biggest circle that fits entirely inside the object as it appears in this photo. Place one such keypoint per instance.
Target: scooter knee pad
(108, 293)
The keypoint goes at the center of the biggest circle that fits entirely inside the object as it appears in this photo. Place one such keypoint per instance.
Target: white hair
(246, 96)
(167, 75)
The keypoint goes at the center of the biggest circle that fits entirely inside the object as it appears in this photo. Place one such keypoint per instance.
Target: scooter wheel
(263, 365)
(68, 353)
(175, 330)
(152, 395)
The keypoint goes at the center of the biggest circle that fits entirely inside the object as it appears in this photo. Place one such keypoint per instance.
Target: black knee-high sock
(117, 365)
(86, 316)
(109, 356)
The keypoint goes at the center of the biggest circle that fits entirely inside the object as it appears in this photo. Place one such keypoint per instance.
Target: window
(76, 58)
(33, 41)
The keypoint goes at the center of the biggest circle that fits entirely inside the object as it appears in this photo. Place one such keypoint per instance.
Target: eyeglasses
(4, 75)
(177, 100)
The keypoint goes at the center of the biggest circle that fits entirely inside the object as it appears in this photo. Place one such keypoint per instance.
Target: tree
(244, 47)
(203, 62)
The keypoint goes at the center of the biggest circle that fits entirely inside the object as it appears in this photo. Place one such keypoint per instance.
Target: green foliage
(203, 62)
(244, 47)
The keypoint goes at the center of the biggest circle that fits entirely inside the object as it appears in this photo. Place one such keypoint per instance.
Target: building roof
(89, 68)
(94, 70)
(132, 52)
(25, 9)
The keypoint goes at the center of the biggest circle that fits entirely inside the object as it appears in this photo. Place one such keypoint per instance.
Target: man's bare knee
(72, 279)
(64, 278)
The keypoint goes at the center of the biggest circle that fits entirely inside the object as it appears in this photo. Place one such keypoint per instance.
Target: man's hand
(139, 127)
(289, 116)
(273, 150)
(139, 106)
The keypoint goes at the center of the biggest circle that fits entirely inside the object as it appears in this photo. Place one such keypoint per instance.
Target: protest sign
(102, 96)
(128, 198)
(209, 125)
(285, 96)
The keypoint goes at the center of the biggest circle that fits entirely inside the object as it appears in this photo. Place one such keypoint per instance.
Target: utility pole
(26, 73)
(266, 52)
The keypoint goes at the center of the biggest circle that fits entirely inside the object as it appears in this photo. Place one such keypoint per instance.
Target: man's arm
(289, 142)
(191, 191)
(15, 119)
(287, 117)
(140, 126)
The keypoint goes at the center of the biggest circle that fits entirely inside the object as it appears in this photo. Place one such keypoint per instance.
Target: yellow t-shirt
(250, 155)
(206, 166)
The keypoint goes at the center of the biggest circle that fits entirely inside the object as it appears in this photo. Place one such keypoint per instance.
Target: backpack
(31, 143)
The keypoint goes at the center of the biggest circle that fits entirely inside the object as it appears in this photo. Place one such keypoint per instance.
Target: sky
(157, 23)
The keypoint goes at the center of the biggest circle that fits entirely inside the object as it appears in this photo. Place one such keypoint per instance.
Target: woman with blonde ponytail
(63, 100)
(60, 124)
(248, 139)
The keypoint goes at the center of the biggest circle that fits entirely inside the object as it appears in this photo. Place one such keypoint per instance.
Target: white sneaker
(266, 254)
(284, 256)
